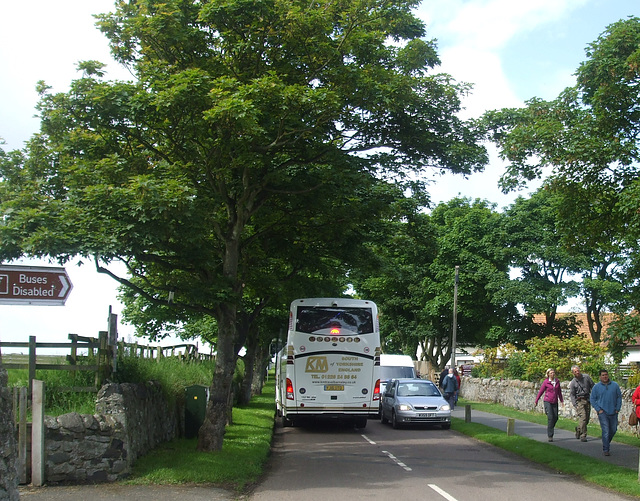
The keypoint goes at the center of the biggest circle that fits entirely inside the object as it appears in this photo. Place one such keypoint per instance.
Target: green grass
(616, 478)
(246, 447)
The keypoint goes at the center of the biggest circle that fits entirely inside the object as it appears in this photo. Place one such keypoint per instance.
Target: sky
(509, 50)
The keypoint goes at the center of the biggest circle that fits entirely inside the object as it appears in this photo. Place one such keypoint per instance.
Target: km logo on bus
(317, 364)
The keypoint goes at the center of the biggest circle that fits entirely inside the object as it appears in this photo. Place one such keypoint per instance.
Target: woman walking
(552, 393)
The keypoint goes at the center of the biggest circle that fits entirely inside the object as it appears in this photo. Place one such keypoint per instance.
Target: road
(378, 462)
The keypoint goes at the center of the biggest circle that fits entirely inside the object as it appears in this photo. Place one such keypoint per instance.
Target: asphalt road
(378, 462)
(415, 463)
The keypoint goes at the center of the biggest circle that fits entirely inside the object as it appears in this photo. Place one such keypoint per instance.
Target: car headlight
(445, 407)
(404, 407)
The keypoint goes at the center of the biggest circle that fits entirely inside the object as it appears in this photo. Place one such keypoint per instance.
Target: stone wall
(8, 446)
(521, 395)
(130, 420)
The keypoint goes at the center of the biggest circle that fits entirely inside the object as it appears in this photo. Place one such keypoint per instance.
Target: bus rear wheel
(361, 422)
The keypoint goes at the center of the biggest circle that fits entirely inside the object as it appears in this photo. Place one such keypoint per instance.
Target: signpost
(34, 285)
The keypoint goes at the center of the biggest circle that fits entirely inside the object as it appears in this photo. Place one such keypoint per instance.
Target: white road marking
(397, 461)
(368, 440)
(444, 494)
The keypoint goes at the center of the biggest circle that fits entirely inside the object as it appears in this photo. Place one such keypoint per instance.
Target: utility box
(195, 408)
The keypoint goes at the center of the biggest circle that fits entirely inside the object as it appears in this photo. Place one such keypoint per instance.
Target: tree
(414, 280)
(240, 112)
(545, 263)
(587, 141)
(470, 234)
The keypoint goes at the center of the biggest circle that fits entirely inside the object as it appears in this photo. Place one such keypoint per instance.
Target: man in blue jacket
(606, 399)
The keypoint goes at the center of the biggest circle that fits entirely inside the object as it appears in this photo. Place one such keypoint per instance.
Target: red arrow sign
(34, 285)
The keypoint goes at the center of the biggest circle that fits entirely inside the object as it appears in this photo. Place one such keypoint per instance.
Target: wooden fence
(96, 355)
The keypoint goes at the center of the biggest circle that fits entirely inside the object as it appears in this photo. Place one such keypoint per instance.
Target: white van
(395, 367)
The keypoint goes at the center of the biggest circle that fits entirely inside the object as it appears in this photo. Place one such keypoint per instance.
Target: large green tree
(239, 111)
(414, 282)
(586, 142)
(541, 255)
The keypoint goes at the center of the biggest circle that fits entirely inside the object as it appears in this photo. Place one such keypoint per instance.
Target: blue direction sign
(35, 285)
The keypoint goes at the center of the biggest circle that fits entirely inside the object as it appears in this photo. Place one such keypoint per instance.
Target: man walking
(606, 399)
(450, 387)
(580, 392)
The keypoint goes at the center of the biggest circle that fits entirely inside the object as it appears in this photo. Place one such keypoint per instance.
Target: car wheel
(394, 421)
(383, 419)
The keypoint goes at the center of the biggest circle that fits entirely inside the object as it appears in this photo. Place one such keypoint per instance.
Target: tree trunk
(249, 365)
(211, 434)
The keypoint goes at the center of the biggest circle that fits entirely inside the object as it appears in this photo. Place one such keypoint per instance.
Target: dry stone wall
(521, 395)
(8, 447)
(130, 420)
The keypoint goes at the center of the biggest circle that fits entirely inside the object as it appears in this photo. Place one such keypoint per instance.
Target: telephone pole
(455, 319)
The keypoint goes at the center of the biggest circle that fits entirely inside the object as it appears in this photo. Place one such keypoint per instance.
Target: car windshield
(417, 390)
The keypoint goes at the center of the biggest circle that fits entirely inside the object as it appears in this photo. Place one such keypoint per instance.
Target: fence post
(113, 340)
(22, 435)
(467, 413)
(511, 427)
(73, 356)
(103, 362)
(32, 362)
(37, 434)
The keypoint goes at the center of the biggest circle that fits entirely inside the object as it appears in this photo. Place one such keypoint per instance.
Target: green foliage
(587, 138)
(531, 364)
(561, 354)
(621, 332)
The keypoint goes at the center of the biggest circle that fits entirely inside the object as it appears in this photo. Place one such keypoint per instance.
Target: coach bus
(329, 365)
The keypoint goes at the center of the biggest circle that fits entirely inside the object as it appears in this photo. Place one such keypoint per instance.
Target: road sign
(35, 285)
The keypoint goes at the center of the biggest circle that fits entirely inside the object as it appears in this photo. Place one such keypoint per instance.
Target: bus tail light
(290, 389)
(376, 390)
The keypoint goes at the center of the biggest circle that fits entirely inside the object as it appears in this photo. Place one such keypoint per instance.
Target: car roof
(413, 380)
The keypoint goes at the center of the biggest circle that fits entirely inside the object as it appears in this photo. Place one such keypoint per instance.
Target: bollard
(511, 426)
(467, 413)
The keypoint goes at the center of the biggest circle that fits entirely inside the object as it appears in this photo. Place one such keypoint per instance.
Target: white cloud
(490, 24)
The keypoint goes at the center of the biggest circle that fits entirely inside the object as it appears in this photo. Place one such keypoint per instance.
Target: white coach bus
(329, 366)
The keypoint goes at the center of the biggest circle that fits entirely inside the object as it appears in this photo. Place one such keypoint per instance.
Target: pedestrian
(552, 393)
(459, 380)
(606, 399)
(635, 398)
(450, 387)
(443, 375)
(579, 392)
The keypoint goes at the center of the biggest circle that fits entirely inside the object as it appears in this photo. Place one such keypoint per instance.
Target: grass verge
(616, 478)
(238, 465)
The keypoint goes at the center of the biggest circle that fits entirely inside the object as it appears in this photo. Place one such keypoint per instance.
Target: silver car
(414, 401)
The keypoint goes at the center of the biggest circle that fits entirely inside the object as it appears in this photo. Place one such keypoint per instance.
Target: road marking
(368, 440)
(397, 461)
(444, 494)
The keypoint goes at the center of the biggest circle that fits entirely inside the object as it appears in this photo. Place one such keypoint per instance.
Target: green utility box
(195, 409)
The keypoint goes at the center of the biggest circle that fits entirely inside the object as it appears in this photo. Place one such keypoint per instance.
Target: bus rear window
(322, 318)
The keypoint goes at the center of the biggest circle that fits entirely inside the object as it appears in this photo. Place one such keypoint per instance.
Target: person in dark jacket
(552, 393)
(450, 388)
(580, 392)
(606, 399)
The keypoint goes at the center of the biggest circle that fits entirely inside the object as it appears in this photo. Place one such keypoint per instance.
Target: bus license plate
(333, 387)
(427, 414)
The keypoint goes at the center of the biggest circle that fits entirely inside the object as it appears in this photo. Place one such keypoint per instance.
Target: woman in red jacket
(635, 398)
(552, 393)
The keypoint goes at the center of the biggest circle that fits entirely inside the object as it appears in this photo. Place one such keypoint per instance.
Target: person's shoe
(607, 453)
(550, 439)
(583, 439)
(577, 432)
